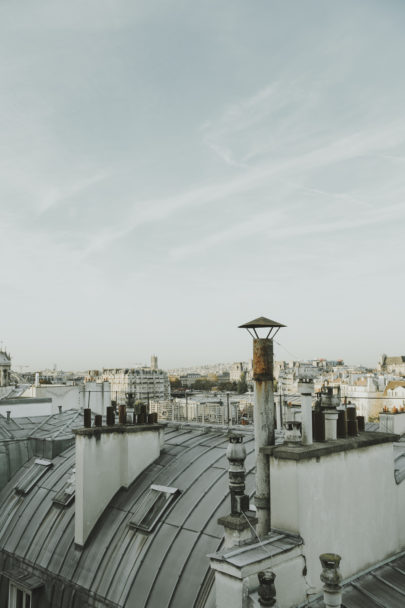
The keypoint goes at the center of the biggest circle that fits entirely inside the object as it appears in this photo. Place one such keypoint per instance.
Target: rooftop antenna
(263, 331)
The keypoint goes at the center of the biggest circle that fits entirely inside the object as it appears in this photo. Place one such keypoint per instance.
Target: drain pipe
(263, 414)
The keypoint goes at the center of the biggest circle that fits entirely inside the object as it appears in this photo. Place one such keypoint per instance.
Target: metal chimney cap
(261, 322)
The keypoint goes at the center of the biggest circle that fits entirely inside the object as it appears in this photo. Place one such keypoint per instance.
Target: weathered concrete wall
(392, 423)
(235, 584)
(26, 407)
(105, 462)
(347, 503)
(95, 395)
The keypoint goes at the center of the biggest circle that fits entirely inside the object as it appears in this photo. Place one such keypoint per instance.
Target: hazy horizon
(171, 170)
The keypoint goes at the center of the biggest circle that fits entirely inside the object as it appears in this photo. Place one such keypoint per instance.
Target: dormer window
(24, 589)
(156, 501)
(67, 494)
(32, 476)
(18, 597)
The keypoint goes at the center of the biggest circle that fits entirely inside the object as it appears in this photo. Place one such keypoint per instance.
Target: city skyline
(170, 171)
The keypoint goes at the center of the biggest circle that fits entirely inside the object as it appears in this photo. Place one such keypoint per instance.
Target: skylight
(152, 507)
(32, 476)
(66, 495)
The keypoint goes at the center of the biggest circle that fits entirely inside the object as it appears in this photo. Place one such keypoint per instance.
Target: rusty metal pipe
(264, 428)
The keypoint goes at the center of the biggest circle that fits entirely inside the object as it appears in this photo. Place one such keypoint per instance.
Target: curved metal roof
(120, 566)
(23, 438)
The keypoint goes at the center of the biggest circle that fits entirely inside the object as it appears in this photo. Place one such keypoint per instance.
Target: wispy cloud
(62, 194)
(265, 175)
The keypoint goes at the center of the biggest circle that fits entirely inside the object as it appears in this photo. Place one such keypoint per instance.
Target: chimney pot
(8, 413)
(110, 416)
(87, 417)
(122, 414)
(352, 423)
(332, 580)
(267, 589)
(331, 416)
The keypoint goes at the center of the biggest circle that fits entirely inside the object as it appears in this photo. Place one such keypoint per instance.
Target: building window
(18, 597)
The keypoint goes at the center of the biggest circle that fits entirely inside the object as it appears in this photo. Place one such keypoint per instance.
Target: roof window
(152, 507)
(67, 494)
(33, 475)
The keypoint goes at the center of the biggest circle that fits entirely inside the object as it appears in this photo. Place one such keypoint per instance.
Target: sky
(171, 170)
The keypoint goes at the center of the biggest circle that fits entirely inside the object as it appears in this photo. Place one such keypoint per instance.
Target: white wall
(100, 396)
(105, 462)
(346, 503)
(95, 395)
(234, 585)
(66, 396)
(22, 410)
(392, 423)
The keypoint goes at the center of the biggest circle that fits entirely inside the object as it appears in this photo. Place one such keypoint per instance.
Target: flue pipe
(306, 389)
(263, 413)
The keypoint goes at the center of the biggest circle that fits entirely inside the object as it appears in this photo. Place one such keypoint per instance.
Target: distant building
(144, 383)
(236, 371)
(366, 393)
(190, 379)
(5, 367)
(392, 365)
(395, 395)
(223, 377)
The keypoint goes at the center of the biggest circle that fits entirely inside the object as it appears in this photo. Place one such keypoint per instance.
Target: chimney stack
(108, 458)
(306, 389)
(329, 404)
(263, 413)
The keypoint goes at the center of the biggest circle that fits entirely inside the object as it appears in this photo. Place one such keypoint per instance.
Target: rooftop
(324, 448)
(122, 565)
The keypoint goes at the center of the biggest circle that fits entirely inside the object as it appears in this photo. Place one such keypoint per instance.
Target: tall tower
(154, 362)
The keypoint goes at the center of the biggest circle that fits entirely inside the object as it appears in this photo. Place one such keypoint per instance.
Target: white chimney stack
(306, 389)
(107, 459)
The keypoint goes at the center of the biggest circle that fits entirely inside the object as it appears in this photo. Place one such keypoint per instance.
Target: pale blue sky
(169, 170)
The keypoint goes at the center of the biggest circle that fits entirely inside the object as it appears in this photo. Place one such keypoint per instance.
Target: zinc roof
(382, 587)
(120, 566)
